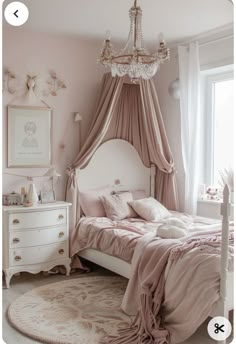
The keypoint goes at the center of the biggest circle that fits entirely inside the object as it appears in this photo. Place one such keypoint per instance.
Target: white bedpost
(152, 184)
(225, 212)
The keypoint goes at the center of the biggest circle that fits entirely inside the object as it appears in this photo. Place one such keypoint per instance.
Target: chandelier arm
(130, 55)
(127, 63)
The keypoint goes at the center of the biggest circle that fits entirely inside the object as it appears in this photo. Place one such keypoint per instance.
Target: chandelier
(134, 60)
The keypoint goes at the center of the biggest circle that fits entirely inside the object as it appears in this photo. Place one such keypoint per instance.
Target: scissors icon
(219, 328)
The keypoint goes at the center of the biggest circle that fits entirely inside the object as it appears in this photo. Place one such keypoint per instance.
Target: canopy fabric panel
(130, 112)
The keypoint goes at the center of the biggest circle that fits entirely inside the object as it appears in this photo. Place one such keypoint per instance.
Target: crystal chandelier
(134, 60)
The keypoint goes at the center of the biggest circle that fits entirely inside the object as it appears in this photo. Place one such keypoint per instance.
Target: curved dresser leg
(8, 276)
(68, 268)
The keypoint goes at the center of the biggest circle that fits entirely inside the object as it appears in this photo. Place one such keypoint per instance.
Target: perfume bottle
(23, 195)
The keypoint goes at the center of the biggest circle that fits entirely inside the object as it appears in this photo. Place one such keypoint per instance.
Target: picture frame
(47, 196)
(29, 136)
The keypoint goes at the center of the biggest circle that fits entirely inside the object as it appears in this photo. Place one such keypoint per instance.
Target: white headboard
(116, 162)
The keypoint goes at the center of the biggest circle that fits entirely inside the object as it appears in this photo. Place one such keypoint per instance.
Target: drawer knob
(61, 234)
(18, 258)
(16, 240)
(61, 251)
(60, 217)
(16, 221)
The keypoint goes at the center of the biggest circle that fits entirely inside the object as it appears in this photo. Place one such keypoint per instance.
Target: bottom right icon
(219, 328)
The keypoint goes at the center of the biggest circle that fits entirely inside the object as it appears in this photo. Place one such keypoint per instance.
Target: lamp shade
(52, 172)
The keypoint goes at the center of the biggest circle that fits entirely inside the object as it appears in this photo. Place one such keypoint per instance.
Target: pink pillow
(90, 201)
(150, 209)
(117, 207)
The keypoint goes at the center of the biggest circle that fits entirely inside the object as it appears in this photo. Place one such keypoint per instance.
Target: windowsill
(212, 208)
(212, 201)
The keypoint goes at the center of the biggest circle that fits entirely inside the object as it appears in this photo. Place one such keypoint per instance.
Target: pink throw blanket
(146, 290)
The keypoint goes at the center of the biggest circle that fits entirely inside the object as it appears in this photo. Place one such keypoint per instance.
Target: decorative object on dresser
(35, 239)
(11, 199)
(52, 173)
(47, 196)
(134, 60)
(32, 194)
(29, 136)
(32, 197)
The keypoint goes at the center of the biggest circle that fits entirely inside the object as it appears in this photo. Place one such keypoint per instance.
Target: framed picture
(47, 196)
(29, 136)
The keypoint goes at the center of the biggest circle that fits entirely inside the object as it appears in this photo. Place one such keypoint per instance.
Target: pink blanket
(170, 308)
(119, 238)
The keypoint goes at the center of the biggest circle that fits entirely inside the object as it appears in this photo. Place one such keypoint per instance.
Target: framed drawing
(29, 136)
(47, 196)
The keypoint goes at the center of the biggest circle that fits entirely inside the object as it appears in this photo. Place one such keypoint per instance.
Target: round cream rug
(76, 311)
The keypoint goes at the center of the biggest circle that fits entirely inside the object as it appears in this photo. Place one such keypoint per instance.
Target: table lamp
(52, 173)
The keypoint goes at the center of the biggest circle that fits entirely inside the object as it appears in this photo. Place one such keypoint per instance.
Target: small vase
(32, 194)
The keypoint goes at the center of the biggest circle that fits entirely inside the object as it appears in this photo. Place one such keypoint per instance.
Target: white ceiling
(178, 19)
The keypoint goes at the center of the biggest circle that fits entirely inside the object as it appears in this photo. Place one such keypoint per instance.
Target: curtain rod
(202, 44)
(215, 40)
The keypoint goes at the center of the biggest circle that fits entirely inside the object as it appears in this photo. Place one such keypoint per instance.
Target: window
(219, 123)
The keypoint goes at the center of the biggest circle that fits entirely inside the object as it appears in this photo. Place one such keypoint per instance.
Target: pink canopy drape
(130, 112)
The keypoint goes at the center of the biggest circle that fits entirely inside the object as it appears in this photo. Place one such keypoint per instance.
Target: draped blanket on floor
(130, 112)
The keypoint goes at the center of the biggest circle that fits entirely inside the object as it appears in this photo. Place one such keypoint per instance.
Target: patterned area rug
(77, 311)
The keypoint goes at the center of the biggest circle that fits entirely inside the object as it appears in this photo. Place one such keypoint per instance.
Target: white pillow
(150, 209)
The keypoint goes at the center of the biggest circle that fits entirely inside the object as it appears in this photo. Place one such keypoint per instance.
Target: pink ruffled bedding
(173, 288)
(119, 238)
(168, 307)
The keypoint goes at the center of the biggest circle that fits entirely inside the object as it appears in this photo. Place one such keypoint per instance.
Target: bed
(116, 162)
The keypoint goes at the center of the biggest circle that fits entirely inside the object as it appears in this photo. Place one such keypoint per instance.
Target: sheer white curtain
(189, 76)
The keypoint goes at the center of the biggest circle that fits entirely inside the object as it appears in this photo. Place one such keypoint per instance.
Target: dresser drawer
(36, 237)
(37, 254)
(37, 219)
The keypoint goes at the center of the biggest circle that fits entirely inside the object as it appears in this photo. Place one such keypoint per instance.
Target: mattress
(119, 238)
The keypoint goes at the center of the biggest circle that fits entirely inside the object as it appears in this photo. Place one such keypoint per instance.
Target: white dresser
(35, 238)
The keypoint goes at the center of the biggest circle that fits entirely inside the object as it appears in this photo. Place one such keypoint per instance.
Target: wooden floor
(25, 282)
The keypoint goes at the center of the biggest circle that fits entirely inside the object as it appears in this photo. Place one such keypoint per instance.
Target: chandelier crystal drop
(134, 60)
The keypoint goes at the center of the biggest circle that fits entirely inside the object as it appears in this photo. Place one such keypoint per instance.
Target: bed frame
(117, 163)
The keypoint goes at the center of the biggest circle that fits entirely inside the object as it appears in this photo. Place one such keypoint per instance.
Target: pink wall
(75, 61)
